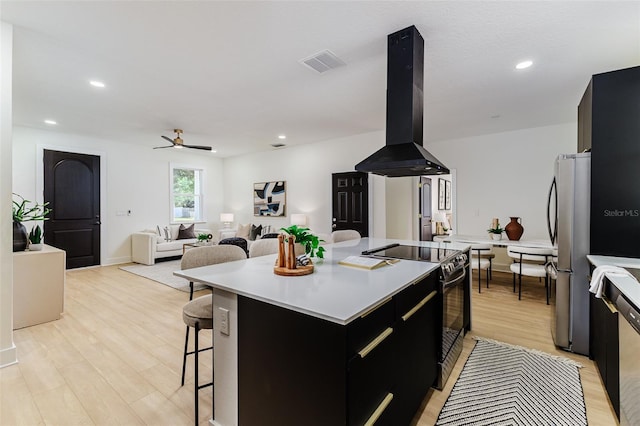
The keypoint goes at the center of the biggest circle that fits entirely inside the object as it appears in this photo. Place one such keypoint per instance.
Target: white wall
(8, 354)
(307, 170)
(136, 178)
(497, 175)
(505, 174)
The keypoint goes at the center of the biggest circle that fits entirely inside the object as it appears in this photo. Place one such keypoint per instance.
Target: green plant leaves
(22, 212)
(310, 242)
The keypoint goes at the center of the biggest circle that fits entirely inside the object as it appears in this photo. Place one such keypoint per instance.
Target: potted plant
(495, 232)
(24, 211)
(204, 238)
(35, 238)
(310, 242)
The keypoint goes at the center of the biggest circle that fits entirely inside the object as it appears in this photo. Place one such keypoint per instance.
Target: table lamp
(226, 218)
(299, 219)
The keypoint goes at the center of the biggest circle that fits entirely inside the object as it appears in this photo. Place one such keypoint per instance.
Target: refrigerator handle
(553, 232)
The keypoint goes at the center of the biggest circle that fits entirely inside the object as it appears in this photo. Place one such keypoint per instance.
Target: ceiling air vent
(278, 145)
(323, 61)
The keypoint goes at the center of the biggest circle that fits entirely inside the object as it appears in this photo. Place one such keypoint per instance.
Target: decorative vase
(514, 229)
(19, 237)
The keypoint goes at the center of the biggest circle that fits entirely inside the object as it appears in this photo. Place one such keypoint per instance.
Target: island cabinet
(296, 369)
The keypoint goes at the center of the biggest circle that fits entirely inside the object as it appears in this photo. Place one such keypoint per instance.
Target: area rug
(162, 272)
(503, 384)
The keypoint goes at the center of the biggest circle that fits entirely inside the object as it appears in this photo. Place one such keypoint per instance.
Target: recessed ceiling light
(51, 122)
(213, 151)
(96, 83)
(524, 64)
(282, 136)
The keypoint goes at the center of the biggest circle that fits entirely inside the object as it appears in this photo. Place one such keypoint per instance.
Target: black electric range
(451, 261)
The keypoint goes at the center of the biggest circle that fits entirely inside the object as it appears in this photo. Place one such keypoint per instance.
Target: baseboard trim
(8, 356)
(117, 261)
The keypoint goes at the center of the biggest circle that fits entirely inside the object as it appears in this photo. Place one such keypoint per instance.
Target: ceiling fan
(179, 143)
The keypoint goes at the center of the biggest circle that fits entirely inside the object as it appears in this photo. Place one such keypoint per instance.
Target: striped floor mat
(502, 384)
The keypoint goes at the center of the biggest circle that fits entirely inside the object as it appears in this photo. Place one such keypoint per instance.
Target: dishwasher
(629, 346)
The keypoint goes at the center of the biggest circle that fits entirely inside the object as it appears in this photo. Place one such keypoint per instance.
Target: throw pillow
(186, 232)
(160, 235)
(167, 233)
(255, 232)
(243, 231)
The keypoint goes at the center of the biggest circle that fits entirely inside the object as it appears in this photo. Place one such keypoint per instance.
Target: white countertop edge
(316, 314)
(627, 285)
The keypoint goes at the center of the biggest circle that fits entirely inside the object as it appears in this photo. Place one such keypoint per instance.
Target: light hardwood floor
(116, 355)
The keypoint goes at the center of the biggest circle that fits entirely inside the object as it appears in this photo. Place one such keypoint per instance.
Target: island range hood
(403, 154)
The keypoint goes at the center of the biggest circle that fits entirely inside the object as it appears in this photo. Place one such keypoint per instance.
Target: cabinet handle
(375, 342)
(419, 305)
(378, 412)
(375, 307)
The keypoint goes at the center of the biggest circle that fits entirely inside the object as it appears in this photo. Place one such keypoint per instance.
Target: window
(186, 194)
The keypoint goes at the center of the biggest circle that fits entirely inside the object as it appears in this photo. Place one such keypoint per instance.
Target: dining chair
(263, 247)
(344, 235)
(529, 261)
(481, 260)
(198, 313)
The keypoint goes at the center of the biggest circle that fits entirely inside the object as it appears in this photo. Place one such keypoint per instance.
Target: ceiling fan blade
(160, 147)
(205, 148)
(169, 139)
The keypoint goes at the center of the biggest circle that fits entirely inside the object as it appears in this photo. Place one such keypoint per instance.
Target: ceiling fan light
(178, 146)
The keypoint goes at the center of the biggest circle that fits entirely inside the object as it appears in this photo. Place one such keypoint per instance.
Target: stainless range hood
(403, 154)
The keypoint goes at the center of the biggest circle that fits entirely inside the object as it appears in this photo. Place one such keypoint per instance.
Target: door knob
(334, 226)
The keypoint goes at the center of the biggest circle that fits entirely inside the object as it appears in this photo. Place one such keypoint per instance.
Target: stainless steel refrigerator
(569, 222)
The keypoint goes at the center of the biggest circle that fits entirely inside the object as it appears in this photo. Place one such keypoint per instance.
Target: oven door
(452, 310)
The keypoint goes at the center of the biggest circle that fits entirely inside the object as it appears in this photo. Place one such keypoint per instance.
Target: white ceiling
(228, 73)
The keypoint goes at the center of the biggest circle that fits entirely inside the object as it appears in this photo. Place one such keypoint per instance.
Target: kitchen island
(340, 346)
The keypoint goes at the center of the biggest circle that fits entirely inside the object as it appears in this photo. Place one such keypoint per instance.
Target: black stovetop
(401, 251)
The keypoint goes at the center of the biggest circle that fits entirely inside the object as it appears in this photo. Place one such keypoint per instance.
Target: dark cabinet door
(418, 308)
(604, 347)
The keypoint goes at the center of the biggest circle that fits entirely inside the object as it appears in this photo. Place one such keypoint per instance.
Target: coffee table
(196, 244)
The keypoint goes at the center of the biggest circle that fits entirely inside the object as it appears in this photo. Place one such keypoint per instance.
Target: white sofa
(149, 245)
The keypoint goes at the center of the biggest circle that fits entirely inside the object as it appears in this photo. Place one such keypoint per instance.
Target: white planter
(35, 247)
(496, 237)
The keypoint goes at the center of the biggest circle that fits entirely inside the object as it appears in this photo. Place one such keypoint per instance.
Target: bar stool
(198, 313)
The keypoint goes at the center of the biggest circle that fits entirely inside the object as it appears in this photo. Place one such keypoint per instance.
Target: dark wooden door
(72, 189)
(350, 202)
(426, 233)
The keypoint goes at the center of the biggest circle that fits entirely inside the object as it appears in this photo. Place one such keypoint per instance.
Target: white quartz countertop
(332, 292)
(628, 286)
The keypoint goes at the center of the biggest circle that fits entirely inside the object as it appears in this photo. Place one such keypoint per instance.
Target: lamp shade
(299, 219)
(439, 217)
(226, 217)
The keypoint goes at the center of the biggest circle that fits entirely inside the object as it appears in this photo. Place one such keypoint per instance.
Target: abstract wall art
(269, 198)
